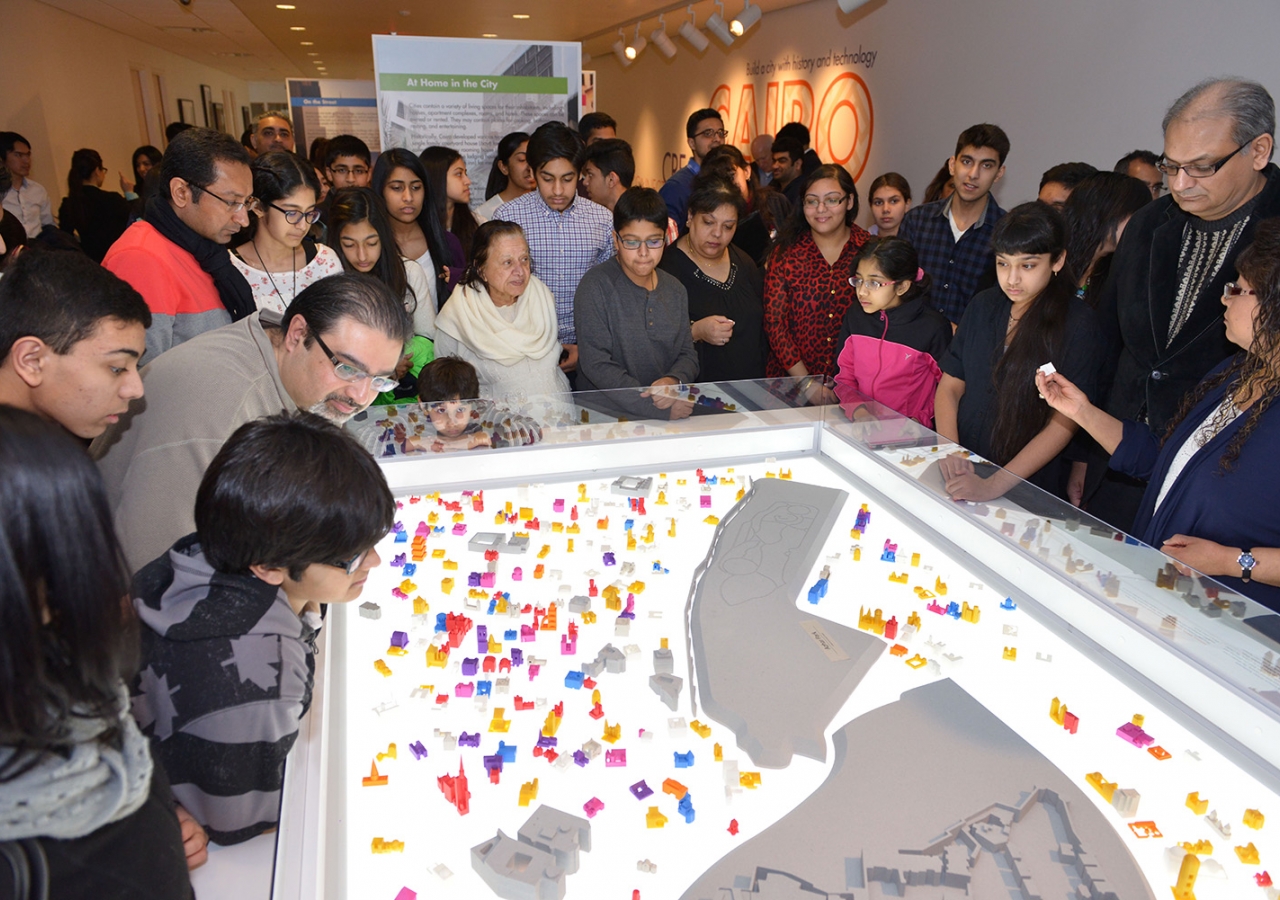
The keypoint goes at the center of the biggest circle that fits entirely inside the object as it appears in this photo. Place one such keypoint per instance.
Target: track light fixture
(660, 39)
(689, 31)
(849, 6)
(750, 16)
(716, 25)
(620, 49)
(636, 47)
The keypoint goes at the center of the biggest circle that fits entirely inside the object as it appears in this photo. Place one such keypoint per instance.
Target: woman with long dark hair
(987, 399)
(450, 189)
(279, 260)
(360, 233)
(510, 177)
(96, 216)
(806, 288)
(401, 181)
(79, 793)
(1097, 211)
(1212, 491)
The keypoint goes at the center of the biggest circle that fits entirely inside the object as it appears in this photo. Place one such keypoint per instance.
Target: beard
(325, 411)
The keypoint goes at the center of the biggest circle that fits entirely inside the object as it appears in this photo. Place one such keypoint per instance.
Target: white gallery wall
(1080, 80)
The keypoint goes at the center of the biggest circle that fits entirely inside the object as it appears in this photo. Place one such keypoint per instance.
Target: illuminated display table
(1039, 737)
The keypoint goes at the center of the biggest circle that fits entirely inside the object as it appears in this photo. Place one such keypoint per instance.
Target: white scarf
(70, 797)
(471, 318)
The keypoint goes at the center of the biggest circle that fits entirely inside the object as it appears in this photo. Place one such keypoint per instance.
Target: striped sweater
(226, 676)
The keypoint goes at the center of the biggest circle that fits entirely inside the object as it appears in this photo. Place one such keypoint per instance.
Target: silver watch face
(1246, 560)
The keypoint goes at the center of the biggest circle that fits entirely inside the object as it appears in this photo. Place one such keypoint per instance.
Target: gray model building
(667, 687)
(632, 486)
(558, 833)
(534, 866)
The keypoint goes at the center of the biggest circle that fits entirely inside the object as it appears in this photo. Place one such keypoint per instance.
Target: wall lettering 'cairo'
(839, 116)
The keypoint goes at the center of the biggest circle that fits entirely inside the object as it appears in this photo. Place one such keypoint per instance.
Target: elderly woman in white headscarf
(502, 320)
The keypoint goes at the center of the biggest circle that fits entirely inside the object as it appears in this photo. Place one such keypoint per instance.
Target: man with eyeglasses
(347, 162)
(335, 350)
(1162, 300)
(704, 131)
(1141, 164)
(272, 131)
(176, 257)
(286, 519)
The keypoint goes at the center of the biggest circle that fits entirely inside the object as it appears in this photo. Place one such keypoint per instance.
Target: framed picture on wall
(206, 100)
(186, 111)
(219, 122)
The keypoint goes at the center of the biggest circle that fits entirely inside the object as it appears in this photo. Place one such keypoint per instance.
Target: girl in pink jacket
(891, 339)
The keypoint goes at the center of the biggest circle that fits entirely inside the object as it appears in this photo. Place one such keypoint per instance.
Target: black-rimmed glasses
(1203, 170)
(352, 564)
(249, 204)
(294, 216)
(350, 373)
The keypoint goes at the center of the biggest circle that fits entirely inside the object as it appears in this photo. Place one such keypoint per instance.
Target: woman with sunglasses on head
(1212, 492)
(806, 288)
(278, 260)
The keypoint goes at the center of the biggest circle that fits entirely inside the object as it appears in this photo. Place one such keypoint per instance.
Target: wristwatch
(1247, 562)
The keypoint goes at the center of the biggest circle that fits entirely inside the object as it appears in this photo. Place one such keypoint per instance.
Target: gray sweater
(629, 337)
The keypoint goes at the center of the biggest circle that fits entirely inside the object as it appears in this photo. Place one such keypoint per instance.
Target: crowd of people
(177, 360)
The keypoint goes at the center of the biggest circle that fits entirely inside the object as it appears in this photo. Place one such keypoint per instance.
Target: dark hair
(984, 135)
(697, 118)
(507, 148)
(891, 180)
(346, 145)
(711, 191)
(69, 636)
(173, 129)
(289, 491)
(554, 140)
(797, 226)
(722, 161)
(151, 153)
(360, 297)
(13, 233)
(194, 155)
(1093, 212)
(790, 146)
(897, 258)
(640, 204)
(796, 131)
(613, 155)
(6, 179)
(84, 163)
(276, 175)
(61, 298)
(1069, 175)
(8, 140)
(437, 161)
(1146, 156)
(934, 190)
(350, 206)
(1041, 335)
(486, 234)
(246, 140)
(593, 122)
(319, 149)
(1251, 373)
(448, 378)
(428, 220)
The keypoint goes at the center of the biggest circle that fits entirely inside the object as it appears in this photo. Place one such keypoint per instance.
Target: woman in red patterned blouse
(806, 289)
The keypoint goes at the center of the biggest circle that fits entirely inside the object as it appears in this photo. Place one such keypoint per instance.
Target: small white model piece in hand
(1047, 369)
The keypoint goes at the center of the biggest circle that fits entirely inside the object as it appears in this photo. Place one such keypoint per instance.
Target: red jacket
(891, 357)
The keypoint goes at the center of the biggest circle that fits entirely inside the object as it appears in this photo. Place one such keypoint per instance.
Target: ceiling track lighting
(717, 26)
(849, 6)
(620, 49)
(636, 47)
(661, 40)
(750, 16)
(689, 31)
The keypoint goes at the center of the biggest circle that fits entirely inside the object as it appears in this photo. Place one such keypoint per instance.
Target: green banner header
(473, 84)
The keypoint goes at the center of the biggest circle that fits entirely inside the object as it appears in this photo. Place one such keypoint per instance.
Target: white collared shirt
(30, 204)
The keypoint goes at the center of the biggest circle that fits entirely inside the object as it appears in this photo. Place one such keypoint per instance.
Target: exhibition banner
(327, 107)
(466, 94)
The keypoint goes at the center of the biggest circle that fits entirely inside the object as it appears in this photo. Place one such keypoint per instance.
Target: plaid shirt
(958, 270)
(563, 246)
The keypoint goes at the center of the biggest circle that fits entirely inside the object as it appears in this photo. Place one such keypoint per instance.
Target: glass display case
(756, 650)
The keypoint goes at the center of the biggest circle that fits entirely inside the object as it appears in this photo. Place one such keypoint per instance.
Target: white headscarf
(471, 318)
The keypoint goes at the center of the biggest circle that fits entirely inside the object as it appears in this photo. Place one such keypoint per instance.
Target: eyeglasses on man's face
(710, 133)
(344, 171)
(1200, 170)
(653, 243)
(294, 216)
(248, 204)
(351, 374)
(831, 201)
(350, 566)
